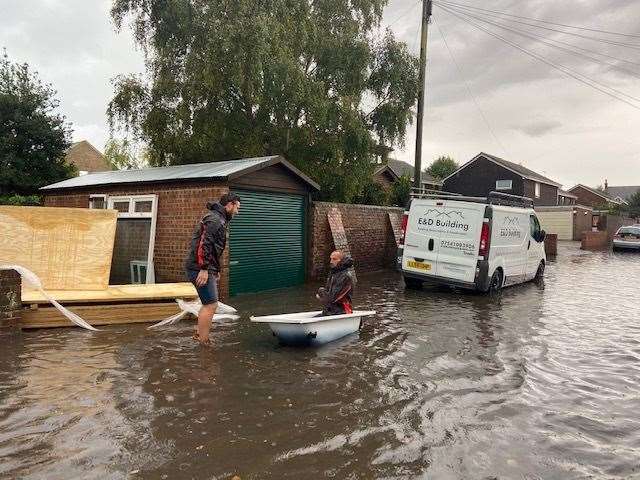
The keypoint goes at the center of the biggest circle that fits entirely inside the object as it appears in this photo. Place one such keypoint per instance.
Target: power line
(609, 32)
(567, 71)
(595, 39)
(573, 45)
(546, 41)
(469, 91)
(404, 14)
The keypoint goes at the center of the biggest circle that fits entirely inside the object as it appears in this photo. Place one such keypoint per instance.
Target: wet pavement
(542, 382)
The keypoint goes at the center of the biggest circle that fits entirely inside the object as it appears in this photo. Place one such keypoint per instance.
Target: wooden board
(68, 248)
(96, 315)
(338, 233)
(115, 293)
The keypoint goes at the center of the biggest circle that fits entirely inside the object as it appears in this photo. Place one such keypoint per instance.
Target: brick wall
(588, 198)
(10, 298)
(368, 231)
(180, 207)
(582, 221)
(594, 240)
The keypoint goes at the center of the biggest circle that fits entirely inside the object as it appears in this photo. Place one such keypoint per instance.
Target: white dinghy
(310, 328)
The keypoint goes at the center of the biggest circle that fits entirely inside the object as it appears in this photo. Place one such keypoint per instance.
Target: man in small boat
(337, 294)
(204, 260)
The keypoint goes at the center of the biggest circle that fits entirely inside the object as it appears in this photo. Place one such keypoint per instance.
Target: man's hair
(229, 198)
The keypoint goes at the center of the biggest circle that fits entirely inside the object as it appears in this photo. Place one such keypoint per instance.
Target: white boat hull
(309, 328)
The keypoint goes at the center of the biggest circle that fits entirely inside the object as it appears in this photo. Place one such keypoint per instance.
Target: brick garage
(368, 230)
(180, 207)
(182, 193)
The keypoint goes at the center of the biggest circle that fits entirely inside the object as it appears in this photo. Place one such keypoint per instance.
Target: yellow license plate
(419, 265)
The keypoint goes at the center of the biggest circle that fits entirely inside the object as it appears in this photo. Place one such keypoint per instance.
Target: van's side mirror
(541, 236)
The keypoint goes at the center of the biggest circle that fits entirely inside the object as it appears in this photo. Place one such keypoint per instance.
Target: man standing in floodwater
(204, 261)
(336, 296)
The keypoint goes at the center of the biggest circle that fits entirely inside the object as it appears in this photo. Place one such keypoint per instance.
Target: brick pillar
(10, 300)
(551, 244)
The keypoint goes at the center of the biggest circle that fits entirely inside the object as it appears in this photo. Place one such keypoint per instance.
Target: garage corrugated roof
(224, 170)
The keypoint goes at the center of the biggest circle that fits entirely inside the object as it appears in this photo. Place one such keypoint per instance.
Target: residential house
(485, 173)
(86, 158)
(566, 198)
(621, 194)
(593, 197)
(387, 174)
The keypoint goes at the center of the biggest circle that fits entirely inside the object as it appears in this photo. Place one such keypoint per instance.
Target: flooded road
(540, 383)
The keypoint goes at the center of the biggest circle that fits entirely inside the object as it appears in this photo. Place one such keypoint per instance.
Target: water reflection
(539, 382)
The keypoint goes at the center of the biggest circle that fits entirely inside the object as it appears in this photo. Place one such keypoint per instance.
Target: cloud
(537, 128)
(534, 114)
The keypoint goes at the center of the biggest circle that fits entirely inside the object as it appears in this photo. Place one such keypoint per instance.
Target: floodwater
(542, 382)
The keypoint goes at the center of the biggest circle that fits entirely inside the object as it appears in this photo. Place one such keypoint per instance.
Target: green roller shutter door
(267, 242)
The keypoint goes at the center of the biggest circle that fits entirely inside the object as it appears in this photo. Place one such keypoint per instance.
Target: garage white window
(504, 185)
(537, 190)
(98, 202)
(135, 237)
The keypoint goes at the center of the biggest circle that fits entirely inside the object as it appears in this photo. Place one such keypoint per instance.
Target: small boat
(310, 328)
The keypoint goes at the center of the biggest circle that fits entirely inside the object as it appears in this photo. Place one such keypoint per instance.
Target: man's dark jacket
(338, 291)
(209, 240)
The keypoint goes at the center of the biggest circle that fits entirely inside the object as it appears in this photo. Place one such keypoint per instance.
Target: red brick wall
(594, 240)
(582, 221)
(368, 231)
(585, 197)
(180, 207)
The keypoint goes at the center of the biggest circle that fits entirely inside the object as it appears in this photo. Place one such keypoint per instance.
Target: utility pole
(426, 16)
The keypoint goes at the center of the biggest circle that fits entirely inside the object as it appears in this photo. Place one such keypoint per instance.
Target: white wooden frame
(98, 195)
(153, 214)
(505, 185)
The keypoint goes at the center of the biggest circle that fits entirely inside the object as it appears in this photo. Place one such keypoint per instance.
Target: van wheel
(540, 272)
(496, 282)
(412, 283)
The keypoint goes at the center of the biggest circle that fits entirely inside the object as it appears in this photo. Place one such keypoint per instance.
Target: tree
(442, 167)
(123, 155)
(401, 192)
(311, 80)
(372, 194)
(634, 204)
(33, 137)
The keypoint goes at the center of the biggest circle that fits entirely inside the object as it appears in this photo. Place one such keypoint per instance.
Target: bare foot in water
(204, 343)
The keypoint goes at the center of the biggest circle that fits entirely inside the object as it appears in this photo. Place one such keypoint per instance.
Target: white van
(471, 242)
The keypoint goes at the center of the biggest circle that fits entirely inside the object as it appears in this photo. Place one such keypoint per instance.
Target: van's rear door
(445, 234)
(420, 242)
(460, 225)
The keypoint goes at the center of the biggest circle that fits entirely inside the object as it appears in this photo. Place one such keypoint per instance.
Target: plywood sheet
(68, 248)
(115, 293)
(96, 315)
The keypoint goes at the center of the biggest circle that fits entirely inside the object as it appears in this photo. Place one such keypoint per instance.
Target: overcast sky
(539, 117)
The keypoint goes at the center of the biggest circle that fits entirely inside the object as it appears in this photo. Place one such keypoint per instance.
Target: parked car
(471, 242)
(627, 238)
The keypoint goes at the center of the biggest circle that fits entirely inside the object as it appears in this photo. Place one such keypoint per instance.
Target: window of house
(537, 190)
(504, 185)
(98, 202)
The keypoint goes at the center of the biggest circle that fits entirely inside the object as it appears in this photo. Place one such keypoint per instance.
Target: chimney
(606, 185)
